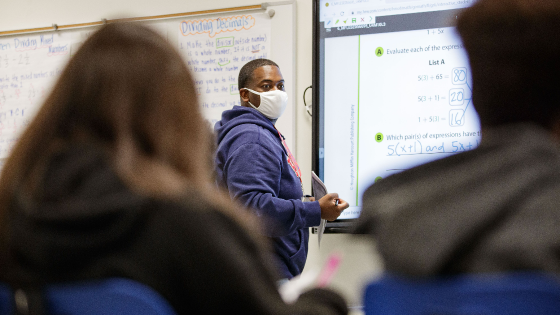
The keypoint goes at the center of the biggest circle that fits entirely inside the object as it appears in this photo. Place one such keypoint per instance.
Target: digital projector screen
(392, 90)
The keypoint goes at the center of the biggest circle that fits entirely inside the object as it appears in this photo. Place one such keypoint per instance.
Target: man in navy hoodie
(255, 165)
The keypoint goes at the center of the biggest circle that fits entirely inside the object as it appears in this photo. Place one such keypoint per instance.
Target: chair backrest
(496, 294)
(110, 296)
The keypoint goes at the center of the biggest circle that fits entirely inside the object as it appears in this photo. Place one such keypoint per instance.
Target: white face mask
(273, 103)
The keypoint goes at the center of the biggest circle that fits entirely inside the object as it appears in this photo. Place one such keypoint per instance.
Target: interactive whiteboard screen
(392, 90)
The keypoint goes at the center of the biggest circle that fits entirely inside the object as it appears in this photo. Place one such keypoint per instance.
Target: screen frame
(439, 18)
(337, 226)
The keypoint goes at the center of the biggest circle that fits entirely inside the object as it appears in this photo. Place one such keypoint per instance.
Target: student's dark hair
(246, 72)
(127, 92)
(514, 51)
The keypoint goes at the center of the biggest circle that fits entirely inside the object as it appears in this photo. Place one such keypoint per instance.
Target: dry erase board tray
(347, 226)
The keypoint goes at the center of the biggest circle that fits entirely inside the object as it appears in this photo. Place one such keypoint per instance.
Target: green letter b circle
(379, 137)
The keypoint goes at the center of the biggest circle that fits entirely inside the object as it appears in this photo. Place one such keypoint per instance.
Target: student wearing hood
(495, 208)
(255, 165)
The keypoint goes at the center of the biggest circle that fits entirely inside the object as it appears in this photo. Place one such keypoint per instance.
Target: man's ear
(244, 94)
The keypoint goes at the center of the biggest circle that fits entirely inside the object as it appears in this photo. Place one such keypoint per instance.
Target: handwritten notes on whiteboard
(29, 66)
(216, 49)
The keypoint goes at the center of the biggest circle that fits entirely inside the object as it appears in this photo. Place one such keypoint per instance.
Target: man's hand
(329, 208)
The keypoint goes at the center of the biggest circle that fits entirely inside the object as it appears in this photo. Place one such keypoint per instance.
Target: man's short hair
(514, 54)
(246, 72)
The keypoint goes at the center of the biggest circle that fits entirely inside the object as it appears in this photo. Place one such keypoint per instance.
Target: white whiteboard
(30, 65)
(215, 50)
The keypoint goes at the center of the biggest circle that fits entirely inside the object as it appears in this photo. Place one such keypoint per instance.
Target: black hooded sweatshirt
(492, 209)
(87, 224)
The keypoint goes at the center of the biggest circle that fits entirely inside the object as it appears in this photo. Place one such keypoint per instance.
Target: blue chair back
(111, 296)
(496, 294)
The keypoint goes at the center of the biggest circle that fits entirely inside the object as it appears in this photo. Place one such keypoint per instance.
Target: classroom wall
(360, 261)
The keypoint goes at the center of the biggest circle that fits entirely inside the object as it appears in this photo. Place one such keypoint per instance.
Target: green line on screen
(358, 127)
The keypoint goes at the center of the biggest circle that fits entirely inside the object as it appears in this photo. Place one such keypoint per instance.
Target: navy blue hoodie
(252, 164)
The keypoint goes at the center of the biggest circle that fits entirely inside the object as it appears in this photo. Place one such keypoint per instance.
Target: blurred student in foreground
(495, 208)
(112, 179)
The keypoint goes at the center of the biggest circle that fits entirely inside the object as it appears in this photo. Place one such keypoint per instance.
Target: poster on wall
(215, 49)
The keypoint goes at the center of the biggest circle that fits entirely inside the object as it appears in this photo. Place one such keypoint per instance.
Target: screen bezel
(439, 18)
(337, 226)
